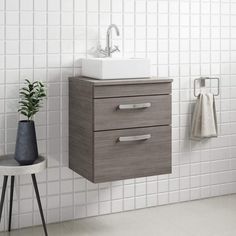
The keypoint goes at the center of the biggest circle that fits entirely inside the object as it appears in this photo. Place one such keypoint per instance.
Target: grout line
(190, 89)
(5, 84)
(135, 31)
(134, 41)
(157, 67)
(110, 183)
(60, 155)
(4, 103)
(123, 189)
(86, 55)
(168, 32)
(179, 99)
(33, 78)
(146, 25)
(200, 63)
(200, 36)
(146, 55)
(86, 29)
(230, 83)
(157, 73)
(99, 25)
(99, 22)
(73, 38)
(111, 12)
(46, 173)
(73, 174)
(123, 30)
(210, 145)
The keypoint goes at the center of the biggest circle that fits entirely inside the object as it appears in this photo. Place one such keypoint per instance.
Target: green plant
(31, 97)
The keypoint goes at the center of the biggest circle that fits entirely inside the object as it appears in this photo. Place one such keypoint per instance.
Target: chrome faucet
(107, 52)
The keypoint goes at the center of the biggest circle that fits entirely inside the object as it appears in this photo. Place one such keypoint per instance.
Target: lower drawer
(132, 153)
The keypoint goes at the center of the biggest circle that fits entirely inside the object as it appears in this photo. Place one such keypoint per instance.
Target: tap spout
(109, 46)
(110, 28)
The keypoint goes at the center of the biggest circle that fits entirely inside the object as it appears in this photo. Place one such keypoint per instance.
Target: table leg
(11, 202)
(3, 194)
(39, 203)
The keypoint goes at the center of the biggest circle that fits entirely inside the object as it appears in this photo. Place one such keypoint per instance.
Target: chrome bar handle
(134, 138)
(134, 106)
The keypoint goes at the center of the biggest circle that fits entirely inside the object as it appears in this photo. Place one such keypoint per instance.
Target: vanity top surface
(97, 82)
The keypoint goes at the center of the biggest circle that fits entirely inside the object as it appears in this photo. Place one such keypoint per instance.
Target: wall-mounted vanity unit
(119, 129)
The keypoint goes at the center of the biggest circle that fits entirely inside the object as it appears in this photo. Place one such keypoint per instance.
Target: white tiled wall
(44, 40)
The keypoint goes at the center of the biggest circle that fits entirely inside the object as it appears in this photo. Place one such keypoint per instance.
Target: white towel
(204, 122)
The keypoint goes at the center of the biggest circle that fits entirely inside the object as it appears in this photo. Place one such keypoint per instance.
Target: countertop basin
(116, 68)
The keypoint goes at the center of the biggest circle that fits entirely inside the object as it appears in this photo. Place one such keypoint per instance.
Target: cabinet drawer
(123, 90)
(130, 112)
(132, 153)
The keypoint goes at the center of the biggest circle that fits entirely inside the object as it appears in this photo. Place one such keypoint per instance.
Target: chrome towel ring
(202, 81)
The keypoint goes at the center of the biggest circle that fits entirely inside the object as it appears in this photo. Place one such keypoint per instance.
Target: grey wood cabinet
(119, 129)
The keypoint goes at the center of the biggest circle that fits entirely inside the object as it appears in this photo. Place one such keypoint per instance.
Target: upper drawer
(130, 112)
(131, 90)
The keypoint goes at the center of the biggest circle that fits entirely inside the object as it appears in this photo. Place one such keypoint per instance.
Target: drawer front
(130, 112)
(131, 90)
(132, 153)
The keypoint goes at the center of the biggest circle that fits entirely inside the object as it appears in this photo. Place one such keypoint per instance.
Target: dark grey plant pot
(26, 151)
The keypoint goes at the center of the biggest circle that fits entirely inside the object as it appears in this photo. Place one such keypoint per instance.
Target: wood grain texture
(128, 87)
(96, 154)
(121, 160)
(127, 90)
(81, 127)
(108, 116)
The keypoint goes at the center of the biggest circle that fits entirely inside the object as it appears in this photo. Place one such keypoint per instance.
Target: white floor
(209, 217)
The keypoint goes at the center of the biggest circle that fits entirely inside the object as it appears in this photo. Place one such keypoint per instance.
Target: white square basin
(116, 68)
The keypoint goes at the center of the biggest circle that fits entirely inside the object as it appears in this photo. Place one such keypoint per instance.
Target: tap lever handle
(115, 49)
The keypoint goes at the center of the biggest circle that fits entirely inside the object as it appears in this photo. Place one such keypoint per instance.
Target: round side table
(10, 167)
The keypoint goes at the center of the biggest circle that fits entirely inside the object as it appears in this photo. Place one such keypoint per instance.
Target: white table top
(9, 166)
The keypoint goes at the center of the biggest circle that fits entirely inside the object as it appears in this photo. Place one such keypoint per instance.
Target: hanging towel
(204, 122)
